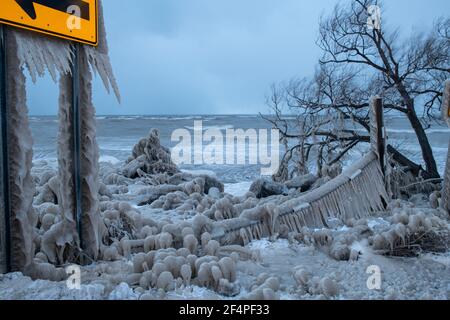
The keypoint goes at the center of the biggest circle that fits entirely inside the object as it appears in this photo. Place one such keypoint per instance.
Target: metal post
(77, 138)
(5, 206)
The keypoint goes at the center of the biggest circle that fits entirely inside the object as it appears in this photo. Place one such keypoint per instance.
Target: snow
(123, 292)
(15, 286)
(402, 278)
(376, 223)
(200, 172)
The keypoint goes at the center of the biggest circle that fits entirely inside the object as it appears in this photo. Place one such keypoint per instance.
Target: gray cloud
(212, 56)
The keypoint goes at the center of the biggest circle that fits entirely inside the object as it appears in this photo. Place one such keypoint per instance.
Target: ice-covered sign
(75, 20)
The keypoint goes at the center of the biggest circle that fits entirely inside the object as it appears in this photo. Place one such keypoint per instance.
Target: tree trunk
(427, 151)
(415, 168)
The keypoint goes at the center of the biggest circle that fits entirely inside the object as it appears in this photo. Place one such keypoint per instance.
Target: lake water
(117, 135)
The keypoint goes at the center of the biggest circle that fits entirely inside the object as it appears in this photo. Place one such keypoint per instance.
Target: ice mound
(149, 157)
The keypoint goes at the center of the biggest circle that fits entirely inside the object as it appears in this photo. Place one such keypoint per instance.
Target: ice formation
(314, 285)
(446, 187)
(412, 232)
(38, 54)
(181, 230)
(149, 157)
(93, 228)
(20, 144)
(189, 234)
(352, 195)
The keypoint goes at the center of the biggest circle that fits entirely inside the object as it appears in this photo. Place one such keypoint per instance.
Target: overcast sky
(214, 56)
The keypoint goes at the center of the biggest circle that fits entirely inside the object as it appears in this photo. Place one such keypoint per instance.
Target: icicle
(249, 232)
(99, 59)
(298, 224)
(40, 52)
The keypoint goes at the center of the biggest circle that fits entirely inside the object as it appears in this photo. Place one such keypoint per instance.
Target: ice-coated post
(445, 202)
(377, 136)
(76, 138)
(5, 245)
(17, 160)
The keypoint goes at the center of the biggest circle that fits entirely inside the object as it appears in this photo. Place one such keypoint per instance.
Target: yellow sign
(75, 20)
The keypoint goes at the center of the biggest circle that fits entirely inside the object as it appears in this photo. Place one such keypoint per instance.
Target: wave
(204, 128)
(410, 131)
(109, 159)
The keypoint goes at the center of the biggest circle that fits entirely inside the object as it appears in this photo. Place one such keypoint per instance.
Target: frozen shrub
(195, 186)
(45, 271)
(110, 253)
(266, 291)
(165, 240)
(149, 157)
(190, 242)
(228, 268)
(186, 273)
(410, 235)
(212, 248)
(165, 281)
(328, 287)
(205, 238)
(159, 268)
(201, 224)
(302, 276)
(187, 230)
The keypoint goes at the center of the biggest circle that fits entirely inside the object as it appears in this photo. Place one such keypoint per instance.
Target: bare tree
(358, 62)
(408, 72)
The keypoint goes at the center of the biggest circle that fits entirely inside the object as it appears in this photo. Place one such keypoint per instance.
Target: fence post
(377, 131)
(445, 201)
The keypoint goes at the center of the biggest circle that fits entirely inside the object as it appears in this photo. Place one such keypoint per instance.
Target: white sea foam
(204, 128)
(238, 189)
(410, 131)
(109, 159)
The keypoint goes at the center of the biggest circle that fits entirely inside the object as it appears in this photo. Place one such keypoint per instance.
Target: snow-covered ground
(423, 277)
(280, 260)
(426, 277)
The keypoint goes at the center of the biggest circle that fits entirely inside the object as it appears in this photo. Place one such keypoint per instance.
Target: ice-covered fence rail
(356, 193)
